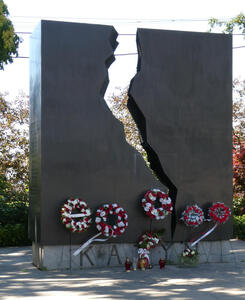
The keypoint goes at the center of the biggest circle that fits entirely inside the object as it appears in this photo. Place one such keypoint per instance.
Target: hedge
(13, 223)
(239, 227)
(14, 235)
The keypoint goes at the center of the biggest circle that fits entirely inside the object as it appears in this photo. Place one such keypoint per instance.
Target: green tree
(236, 23)
(239, 146)
(9, 40)
(118, 105)
(14, 144)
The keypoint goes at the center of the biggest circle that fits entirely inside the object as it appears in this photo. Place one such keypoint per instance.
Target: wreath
(193, 215)
(219, 212)
(157, 204)
(111, 220)
(149, 240)
(83, 217)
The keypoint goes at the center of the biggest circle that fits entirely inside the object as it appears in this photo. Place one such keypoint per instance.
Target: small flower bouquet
(188, 258)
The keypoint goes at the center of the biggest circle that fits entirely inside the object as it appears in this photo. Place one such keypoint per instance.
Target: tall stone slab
(78, 148)
(181, 99)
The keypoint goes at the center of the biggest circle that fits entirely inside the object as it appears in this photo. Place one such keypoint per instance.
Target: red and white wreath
(219, 212)
(193, 215)
(165, 204)
(107, 213)
(83, 218)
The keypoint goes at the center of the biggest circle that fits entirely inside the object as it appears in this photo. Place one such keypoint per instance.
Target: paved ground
(20, 280)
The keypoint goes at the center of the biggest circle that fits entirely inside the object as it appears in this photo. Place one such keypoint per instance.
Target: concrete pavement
(19, 279)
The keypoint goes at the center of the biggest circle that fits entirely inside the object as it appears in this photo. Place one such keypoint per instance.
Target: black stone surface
(181, 99)
(78, 148)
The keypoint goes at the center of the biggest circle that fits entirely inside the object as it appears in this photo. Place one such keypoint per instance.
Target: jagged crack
(153, 158)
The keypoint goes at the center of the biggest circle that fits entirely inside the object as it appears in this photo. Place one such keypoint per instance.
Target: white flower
(88, 212)
(106, 229)
(121, 224)
(157, 217)
(192, 252)
(102, 214)
(110, 212)
(68, 206)
(115, 227)
(146, 208)
(169, 201)
(148, 204)
(143, 200)
(152, 197)
(106, 205)
(99, 227)
(114, 205)
(119, 218)
(66, 214)
(104, 219)
(122, 230)
(98, 220)
(125, 216)
(154, 212)
(117, 210)
(156, 190)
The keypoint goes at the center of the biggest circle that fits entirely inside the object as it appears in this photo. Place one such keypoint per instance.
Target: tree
(9, 41)
(14, 144)
(239, 146)
(236, 24)
(229, 26)
(118, 106)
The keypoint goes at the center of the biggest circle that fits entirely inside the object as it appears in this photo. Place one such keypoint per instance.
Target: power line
(124, 54)
(121, 54)
(120, 34)
(116, 19)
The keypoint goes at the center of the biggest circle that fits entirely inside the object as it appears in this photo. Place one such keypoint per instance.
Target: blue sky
(126, 16)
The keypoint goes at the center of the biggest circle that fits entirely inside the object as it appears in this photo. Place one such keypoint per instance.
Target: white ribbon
(77, 215)
(92, 239)
(205, 234)
(144, 253)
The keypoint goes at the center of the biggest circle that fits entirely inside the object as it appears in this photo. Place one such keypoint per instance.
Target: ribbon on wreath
(144, 253)
(204, 235)
(86, 244)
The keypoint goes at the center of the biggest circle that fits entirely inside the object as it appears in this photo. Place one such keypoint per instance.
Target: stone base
(108, 255)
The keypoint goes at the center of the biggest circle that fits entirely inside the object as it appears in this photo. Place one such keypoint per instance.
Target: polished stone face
(78, 148)
(181, 100)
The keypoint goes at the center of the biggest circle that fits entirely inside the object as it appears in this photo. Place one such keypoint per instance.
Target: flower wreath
(219, 212)
(187, 252)
(84, 215)
(193, 215)
(120, 220)
(153, 212)
(148, 240)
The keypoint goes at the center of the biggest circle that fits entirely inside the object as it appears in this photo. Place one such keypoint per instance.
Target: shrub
(13, 213)
(14, 235)
(13, 223)
(239, 227)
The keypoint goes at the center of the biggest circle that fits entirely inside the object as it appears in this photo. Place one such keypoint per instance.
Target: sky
(126, 16)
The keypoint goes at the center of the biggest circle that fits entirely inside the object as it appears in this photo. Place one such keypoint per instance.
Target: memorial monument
(180, 99)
